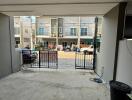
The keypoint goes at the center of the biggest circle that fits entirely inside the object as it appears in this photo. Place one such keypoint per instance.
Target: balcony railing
(63, 32)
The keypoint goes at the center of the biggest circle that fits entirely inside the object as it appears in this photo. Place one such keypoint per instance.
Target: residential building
(23, 31)
(65, 30)
(17, 30)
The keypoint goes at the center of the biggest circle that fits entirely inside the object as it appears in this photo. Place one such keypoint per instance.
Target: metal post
(84, 59)
(48, 59)
(57, 59)
(39, 59)
(75, 59)
(95, 36)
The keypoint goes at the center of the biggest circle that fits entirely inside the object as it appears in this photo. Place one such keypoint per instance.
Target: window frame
(73, 31)
(84, 31)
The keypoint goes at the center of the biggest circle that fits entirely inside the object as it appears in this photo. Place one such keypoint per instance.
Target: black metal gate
(84, 60)
(40, 59)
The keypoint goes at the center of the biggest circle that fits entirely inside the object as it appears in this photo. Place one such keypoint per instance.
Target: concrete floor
(64, 63)
(52, 85)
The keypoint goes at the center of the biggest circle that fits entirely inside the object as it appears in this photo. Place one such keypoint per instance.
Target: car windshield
(26, 51)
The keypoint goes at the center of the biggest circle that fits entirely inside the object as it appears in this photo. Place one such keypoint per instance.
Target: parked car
(59, 47)
(68, 48)
(28, 55)
(90, 48)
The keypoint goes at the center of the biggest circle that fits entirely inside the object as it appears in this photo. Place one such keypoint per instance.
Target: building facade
(23, 31)
(50, 32)
(65, 31)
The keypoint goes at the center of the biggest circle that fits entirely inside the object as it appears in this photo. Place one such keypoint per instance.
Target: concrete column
(31, 33)
(57, 35)
(57, 43)
(79, 32)
(35, 33)
(21, 34)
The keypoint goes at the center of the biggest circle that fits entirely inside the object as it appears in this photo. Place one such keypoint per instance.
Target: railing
(64, 31)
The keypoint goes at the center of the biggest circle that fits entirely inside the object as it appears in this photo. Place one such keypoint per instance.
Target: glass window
(83, 31)
(41, 31)
(73, 31)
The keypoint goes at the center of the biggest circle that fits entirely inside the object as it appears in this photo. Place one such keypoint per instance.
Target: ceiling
(56, 7)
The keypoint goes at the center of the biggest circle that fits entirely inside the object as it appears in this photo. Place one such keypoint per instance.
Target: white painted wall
(105, 59)
(106, 56)
(124, 69)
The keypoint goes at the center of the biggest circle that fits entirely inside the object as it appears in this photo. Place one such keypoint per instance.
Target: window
(73, 31)
(41, 31)
(83, 31)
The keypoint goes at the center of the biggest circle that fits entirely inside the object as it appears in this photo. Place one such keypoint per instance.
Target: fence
(40, 59)
(84, 60)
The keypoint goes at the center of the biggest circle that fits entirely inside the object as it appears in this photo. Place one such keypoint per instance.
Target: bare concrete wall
(7, 46)
(105, 59)
(15, 54)
(5, 53)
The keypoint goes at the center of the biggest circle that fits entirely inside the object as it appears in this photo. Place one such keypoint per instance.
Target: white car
(86, 49)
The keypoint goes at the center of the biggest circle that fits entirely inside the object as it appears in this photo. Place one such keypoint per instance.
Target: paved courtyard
(65, 63)
(52, 85)
(66, 60)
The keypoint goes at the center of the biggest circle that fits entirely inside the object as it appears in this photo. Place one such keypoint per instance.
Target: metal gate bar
(84, 60)
(41, 59)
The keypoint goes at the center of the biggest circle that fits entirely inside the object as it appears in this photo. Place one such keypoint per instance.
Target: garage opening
(64, 42)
